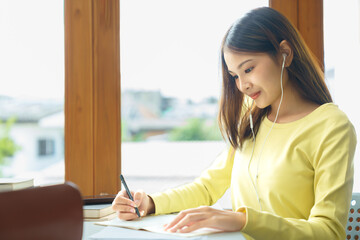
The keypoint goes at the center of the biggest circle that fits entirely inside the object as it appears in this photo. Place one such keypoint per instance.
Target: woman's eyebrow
(241, 64)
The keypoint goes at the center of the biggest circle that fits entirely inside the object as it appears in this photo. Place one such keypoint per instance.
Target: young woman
(290, 160)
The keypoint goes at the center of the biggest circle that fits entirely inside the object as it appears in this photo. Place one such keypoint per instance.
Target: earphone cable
(262, 147)
(252, 152)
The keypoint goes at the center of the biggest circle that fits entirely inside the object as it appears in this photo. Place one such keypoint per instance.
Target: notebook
(97, 210)
(105, 218)
(118, 233)
(155, 224)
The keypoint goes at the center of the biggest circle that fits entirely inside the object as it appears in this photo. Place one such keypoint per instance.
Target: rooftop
(28, 110)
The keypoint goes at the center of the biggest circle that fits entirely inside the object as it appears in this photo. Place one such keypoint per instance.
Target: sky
(176, 51)
(166, 45)
(32, 48)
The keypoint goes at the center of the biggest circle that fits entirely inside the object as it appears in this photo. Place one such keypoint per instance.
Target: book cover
(10, 184)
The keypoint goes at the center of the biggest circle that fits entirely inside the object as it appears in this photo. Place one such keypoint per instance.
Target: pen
(128, 192)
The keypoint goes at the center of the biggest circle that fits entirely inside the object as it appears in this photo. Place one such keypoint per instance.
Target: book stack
(11, 184)
(98, 212)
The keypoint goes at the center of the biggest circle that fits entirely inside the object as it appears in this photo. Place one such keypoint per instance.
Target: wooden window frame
(92, 85)
(92, 95)
(307, 16)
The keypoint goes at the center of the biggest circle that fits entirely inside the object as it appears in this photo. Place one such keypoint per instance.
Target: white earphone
(254, 139)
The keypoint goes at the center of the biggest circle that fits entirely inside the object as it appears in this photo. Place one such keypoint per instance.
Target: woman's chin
(261, 105)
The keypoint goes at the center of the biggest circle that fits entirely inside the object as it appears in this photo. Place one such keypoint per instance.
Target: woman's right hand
(125, 207)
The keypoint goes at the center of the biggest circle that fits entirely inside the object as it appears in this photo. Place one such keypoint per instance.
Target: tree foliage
(196, 129)
(7, 145)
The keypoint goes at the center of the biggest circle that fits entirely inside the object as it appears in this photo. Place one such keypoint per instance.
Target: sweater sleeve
(333, 181)
(205, 190)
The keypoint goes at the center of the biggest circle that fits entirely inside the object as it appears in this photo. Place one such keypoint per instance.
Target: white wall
(157, 166)
(342, 51)
(27, 136)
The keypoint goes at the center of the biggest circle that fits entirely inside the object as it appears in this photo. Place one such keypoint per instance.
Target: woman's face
(256, 75)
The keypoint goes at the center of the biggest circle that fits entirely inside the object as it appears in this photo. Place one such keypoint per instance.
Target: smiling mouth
(255, 96)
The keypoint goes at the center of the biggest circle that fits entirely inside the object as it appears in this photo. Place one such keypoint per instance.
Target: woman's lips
(255, 95)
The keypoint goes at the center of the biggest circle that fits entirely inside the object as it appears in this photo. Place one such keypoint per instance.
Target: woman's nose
(243, 85)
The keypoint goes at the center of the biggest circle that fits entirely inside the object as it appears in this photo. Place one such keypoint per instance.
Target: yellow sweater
(305, 179)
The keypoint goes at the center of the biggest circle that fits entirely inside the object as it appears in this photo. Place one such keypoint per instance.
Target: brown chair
(51, 212)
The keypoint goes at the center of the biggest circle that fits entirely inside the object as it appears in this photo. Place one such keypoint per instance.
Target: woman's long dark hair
(262, 30)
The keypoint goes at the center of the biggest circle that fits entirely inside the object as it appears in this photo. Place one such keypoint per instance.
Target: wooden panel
(288, 7)
(92, 95)
(78, 95)
(308, 16)
(107, 96)
(310, 25)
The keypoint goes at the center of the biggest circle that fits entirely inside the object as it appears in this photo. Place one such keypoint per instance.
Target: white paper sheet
(155, 224)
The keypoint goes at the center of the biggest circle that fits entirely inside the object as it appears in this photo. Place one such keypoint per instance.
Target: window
(32, 88)
(170, 88)
(342, 48)
(92, 55)
(46, 147)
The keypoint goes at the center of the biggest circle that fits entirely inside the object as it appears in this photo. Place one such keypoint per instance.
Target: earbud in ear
(284, 55)
(251, 122)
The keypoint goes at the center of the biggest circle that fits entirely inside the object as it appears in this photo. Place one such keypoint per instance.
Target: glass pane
(32, 90)
(170, 88)
(342, 48)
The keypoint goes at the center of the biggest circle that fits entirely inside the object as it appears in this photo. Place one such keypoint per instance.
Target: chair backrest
(51, 212)
(353, 224)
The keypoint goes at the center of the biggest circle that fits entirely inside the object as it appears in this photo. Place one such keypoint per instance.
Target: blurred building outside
(151, 162)
(38, 131)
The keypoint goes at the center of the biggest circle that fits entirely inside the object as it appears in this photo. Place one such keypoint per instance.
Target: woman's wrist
(151, 207)
(242, 218)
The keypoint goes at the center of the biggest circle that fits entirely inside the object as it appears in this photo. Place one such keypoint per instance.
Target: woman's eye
(249, 70)
(235, 77)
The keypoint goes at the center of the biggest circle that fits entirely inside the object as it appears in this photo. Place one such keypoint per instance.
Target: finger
(183, 213)
(127, 216)
(175, 220)
(122, 193)
(138, 197)
(123, 201)
(123, 208)
(116, 205)
(188, 220)
(123, 198)
(194, 226)
(127, 195)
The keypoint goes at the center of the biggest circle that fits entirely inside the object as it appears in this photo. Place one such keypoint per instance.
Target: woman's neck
(293, 106)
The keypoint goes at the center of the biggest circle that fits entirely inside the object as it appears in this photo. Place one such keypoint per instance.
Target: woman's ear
(285, 48)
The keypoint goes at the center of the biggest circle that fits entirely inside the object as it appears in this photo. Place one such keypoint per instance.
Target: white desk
(110, 233)
(90, 228)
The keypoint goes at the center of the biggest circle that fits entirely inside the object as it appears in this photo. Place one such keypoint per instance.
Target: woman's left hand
(196, 218)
